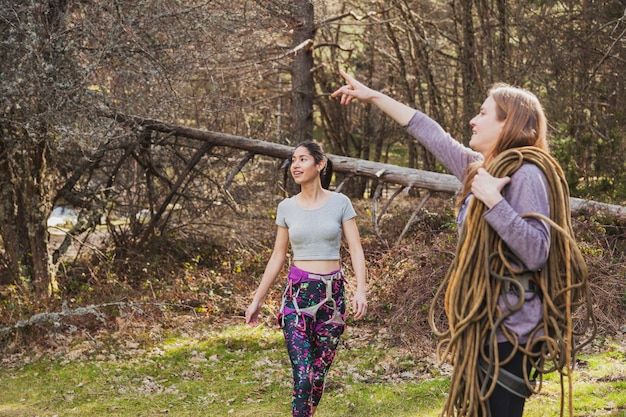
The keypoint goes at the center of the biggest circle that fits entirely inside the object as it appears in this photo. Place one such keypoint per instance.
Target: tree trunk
(34, 59)
(469, 64)
(302, 77)
(25, 206)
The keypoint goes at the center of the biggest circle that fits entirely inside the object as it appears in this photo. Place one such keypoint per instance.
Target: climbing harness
(508, 380)
(483, 272)
(515, 284)
(298, 276)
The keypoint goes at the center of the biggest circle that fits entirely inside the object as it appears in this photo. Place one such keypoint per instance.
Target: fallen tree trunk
(407, 177)
(579, 206)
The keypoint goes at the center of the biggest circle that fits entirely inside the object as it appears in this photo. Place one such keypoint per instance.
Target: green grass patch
(241, 371)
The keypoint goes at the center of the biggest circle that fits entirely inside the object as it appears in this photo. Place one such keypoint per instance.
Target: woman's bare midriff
(318, 267)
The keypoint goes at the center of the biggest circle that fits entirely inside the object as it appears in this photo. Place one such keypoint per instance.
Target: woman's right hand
(487, 188)
(401, 113)
(252, 314)
(352, 90)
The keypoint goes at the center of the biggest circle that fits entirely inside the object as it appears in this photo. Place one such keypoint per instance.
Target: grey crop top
(315, 234)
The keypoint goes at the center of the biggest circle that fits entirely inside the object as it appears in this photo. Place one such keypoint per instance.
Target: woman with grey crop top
(313, 308)
(509, 118)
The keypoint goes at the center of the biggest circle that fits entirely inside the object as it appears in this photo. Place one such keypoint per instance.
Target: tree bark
(302, 78)
(35, 59)
(468, 60)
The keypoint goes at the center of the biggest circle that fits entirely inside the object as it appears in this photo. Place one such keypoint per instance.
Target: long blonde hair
(524, 125)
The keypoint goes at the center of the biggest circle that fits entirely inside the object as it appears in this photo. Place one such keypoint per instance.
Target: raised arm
(401, 113)
(450, 152)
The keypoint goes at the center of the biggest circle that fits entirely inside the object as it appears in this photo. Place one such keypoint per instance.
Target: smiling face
(303, 166)
(486, 127)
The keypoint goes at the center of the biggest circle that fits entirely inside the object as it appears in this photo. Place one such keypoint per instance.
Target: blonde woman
(515, 208)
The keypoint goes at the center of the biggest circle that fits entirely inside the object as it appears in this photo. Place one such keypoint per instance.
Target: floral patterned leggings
(312, 343)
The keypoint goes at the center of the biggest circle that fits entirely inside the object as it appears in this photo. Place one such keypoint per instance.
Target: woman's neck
(311, 195)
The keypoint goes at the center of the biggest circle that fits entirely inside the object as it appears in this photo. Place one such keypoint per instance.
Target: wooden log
(408, 177)
(394, 174)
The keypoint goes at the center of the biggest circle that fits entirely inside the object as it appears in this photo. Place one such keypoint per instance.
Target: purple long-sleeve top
(527, 192)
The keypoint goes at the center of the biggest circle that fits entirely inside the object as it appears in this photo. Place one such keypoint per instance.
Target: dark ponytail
(327, 174)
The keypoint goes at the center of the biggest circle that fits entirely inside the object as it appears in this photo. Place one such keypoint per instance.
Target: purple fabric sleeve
(528, 239)
(450, 152)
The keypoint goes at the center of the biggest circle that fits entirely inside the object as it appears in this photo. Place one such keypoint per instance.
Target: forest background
(178, 225)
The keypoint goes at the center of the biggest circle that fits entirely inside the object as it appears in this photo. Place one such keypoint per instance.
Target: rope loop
(473, 285)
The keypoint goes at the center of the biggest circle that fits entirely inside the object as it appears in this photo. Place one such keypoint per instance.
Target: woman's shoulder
(528, 182)
(287, 202)
(335, 194)
(530, 172)
(338, 197)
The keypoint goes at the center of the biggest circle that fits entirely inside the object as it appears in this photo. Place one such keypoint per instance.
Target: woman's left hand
(487, 188)
(359, 304)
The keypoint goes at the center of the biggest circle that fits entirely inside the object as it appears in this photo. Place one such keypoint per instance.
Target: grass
(240, 371)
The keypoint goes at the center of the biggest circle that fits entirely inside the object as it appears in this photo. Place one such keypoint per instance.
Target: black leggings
(502, 402)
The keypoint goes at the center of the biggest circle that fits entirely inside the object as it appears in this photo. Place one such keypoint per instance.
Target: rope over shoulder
(473, 285)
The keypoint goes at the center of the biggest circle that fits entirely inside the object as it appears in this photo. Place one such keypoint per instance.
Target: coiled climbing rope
(474, 283)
